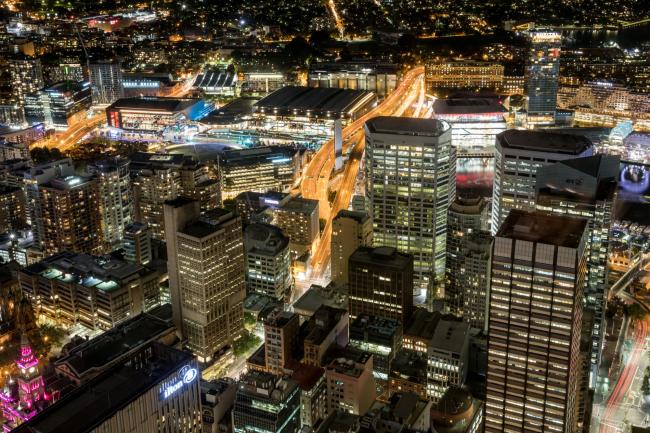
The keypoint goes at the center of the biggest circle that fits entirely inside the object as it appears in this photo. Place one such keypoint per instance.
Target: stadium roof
(153, 103)
(467, 106)
(292, 99)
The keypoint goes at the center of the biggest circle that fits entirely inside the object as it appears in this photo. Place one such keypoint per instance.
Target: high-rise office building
(586, 188)
(268, 263)
(161, 177)
(106, 80)
(468, 264)
(137, 243)
(59, 105)
(534, 324)
(380, 283)
(266, 403)
(350, 230)
(410, 183)
(542, 76)
(517, 157)
(26, 77)
(116, 198)
(206, 275)
(71, 216)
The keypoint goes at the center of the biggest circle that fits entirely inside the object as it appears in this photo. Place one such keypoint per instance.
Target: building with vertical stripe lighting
(534, 323)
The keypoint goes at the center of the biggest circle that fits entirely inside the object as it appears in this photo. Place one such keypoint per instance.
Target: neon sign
(186, 376)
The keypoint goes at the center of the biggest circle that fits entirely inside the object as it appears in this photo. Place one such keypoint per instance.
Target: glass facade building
(410, 183)
(542, 75)
(586, 188)
(534, 323)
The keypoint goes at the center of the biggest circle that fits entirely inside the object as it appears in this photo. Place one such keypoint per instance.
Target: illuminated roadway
(315, 179)
(616, 412)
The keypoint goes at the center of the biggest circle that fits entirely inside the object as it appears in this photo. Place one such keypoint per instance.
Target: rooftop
(106, 273)
(374, 326)
(92, 357)
(153, 103)
(423, 324)
(312, 99)
(209, 223)
(262, 384)
(264, 239)
(450, 335)
(307, 375)
(359, 217)
(459, 106)
(256, 155)
(385, 257)
(352, 365)
(67, 86)
(544, 141)
(468, 206)
(300, 205)
(409, 365)
(407, 126)
(557, 230)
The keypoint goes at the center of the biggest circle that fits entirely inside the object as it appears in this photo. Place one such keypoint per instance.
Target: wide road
(625, 401)
(316, 178)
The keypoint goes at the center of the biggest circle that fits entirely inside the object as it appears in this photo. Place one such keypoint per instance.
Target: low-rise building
(350, 383)
(60, 105)
(97, 292)
(326, 327)
(266, 403)
(383, 338)
(217, 400)
(408, 373)
(258, 169)
(268, 264)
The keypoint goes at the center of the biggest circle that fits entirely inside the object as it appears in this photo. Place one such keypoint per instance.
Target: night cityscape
(331, 216)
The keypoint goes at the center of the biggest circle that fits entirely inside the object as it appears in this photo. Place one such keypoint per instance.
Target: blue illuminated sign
(186, 376)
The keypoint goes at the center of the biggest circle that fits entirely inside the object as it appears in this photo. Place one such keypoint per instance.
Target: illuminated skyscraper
(206, 275)
(71, 217)
(585, 188)
(410, 183)
(116, 198)
(542, 75)
(517, 157)
(380, 282)
(26, 76)
(534, 323)
(106, 80)
(468, 260)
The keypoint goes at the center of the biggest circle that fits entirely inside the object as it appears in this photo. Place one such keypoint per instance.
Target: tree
(298, 50)
(41, 155)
